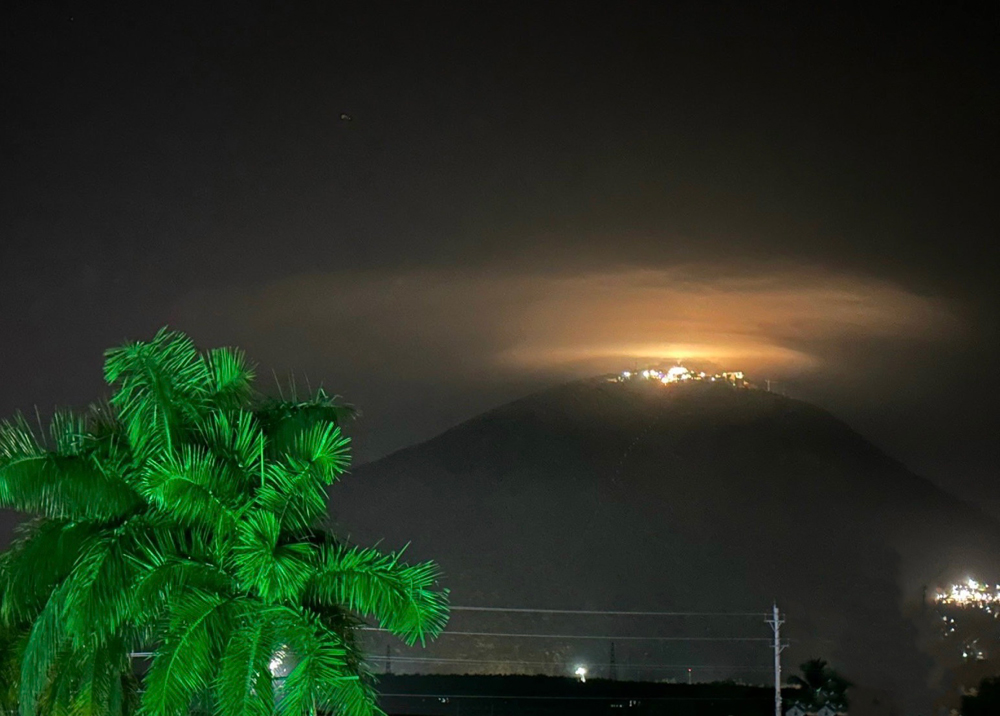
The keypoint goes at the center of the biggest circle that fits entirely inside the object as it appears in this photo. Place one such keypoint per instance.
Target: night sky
(435, 208)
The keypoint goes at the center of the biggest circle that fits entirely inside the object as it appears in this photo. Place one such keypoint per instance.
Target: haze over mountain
(695, 498)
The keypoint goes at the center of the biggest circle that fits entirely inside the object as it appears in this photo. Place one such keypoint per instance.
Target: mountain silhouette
(601, 495)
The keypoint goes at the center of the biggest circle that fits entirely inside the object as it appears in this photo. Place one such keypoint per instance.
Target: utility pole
(388, 660)
(613, 665)
(776, 621)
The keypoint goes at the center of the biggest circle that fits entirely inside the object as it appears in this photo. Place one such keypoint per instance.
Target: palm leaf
(12, 642)
(236, 437)
(184, 664)
(321, 662)
(230, 377)
(59, 485)
(160, 384)
(98, 675)
(244, 681)
(282, 420)
(156, 586)
(276, 572)
(295, 487)
(193, 488)
(40, 558)
(294, 492)
(351, 697)
(100, 597)
(42, 650)
(400, 596)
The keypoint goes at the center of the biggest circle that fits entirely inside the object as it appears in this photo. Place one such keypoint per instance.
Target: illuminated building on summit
(680, 374)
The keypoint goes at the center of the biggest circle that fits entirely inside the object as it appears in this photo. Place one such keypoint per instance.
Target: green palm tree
(10, 668)
(186, 517)
(820, 685)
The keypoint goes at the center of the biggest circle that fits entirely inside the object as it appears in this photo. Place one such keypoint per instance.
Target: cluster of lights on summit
(680, 374)
(962, 608)
(972, 595)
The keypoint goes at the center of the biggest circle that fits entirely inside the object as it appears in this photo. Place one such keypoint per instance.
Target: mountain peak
(691, 495)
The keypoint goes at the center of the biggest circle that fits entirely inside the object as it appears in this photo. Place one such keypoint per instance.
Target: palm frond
(400, 596)
(282, 420)
(100, 596)
(161, 384)
(194, 488)
(97, 674)
(159, 583)
(44, 645)
(324, 447)
(295, 487)
(321, 662)
(235, 436)
(12, 642)
(40, 558)
(67, 484)
(352, 697)
(274, 571)
(57, 695)
(244, 682)
(230, 377)
(184, 663)
(294, 492)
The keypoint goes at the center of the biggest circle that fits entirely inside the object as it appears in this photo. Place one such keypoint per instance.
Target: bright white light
(678, 372)
(581, 673)
(277, 664)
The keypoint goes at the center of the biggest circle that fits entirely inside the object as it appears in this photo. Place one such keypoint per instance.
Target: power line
(509, 697)
(605, 612)
(442, 660)
(588, 636)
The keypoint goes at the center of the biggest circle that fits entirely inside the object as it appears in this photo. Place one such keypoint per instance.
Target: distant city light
(581, 673)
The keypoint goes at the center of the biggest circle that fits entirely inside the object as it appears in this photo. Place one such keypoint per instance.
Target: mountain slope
(632, 496)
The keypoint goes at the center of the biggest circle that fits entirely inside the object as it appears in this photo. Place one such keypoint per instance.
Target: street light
(581, 672)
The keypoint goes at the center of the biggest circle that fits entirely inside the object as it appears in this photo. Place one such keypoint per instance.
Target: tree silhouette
(986, 701)
(820, 685)
(186, 516)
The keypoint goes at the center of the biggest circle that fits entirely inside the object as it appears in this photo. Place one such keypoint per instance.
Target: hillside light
(581, 673)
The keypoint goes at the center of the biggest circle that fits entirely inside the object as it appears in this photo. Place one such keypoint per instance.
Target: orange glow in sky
(779, 320)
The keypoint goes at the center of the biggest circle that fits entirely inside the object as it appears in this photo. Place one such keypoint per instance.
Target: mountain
(604, 495)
